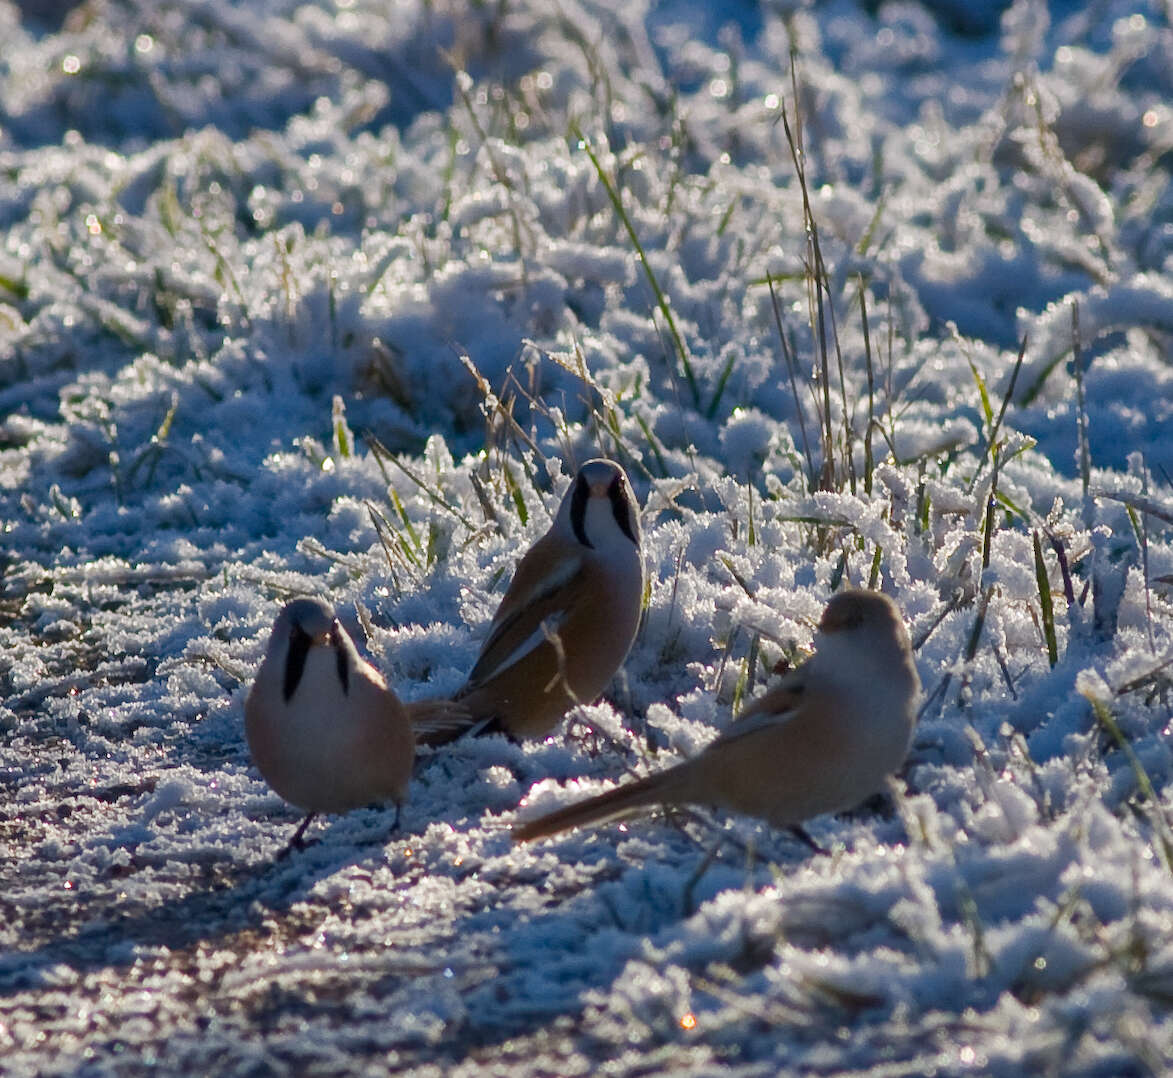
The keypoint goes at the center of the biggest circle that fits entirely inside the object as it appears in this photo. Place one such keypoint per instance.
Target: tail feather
(438, 721)
(667, 787)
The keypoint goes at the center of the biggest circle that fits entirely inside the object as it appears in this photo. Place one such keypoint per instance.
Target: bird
(567, 621)
(323, 728)
(823, 740)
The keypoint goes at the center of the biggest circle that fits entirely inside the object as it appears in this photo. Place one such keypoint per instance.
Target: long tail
(436, 722)
(667, 787)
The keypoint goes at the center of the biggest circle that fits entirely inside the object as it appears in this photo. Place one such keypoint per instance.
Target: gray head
(599, 505)
(855, 607)
(856, 610)
(305, 624)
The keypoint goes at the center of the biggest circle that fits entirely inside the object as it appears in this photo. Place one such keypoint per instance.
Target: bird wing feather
(541, 589)
(771, 709)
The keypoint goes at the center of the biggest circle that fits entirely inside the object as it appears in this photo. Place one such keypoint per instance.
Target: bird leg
(298, 842)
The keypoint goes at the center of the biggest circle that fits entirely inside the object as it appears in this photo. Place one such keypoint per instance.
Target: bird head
(599, 508)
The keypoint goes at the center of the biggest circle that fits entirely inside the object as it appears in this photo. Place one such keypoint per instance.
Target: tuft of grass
(993, 423)
(151, 453)
(485, 502)
(682, 352)
(791, 364)
(987, 410)
(749, 666)
(923, 501)
(971, 646)
(838, 572)
(1139, 507)
(990, 517)
(604, 414)
(742, 583)
(1142, 502)
(868, 460)
(1064, 567)
(16, 286)
(1153, 680)
(515, 495)
(981, 962)
(463, 82)
(383, 457)
(224, 274)
(1008, 396)
(820, 309)
(343, 438)
(751, 537)
(413, 549)
(1045, 604)
(722, 381)
(1160, 822)
(385, 533)
(354, 564)
(653, 442)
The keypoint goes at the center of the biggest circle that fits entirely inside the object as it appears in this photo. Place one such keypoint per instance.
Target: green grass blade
(661, 299)
(1045, 603)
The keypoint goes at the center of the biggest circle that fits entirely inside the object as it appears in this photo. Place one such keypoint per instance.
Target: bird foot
(299, 841)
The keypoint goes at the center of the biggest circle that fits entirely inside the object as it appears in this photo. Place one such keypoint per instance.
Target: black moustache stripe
(578, 504)
(621, 509)
(343, 666)
(299, 648)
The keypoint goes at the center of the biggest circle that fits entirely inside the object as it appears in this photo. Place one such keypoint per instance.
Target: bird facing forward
(822, 741)
(567, 620)
(323, 728)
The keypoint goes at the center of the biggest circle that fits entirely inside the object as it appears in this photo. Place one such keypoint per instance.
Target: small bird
(822, 741)
(323, 728)
(567, 620)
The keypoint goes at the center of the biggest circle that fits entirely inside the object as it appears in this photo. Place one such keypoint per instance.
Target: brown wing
(541, 588)
(770, 706)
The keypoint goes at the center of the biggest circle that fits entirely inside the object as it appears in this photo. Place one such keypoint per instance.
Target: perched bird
(567, 621)
(323, 728)
(822, 741)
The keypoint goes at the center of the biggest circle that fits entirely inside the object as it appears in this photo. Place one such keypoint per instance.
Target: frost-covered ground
(243, 242)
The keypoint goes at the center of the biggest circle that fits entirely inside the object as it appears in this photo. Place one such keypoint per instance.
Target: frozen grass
(332, 300)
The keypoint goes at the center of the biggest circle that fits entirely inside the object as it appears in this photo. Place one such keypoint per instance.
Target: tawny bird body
(822, 741)
(567, 620)
(323, 728)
